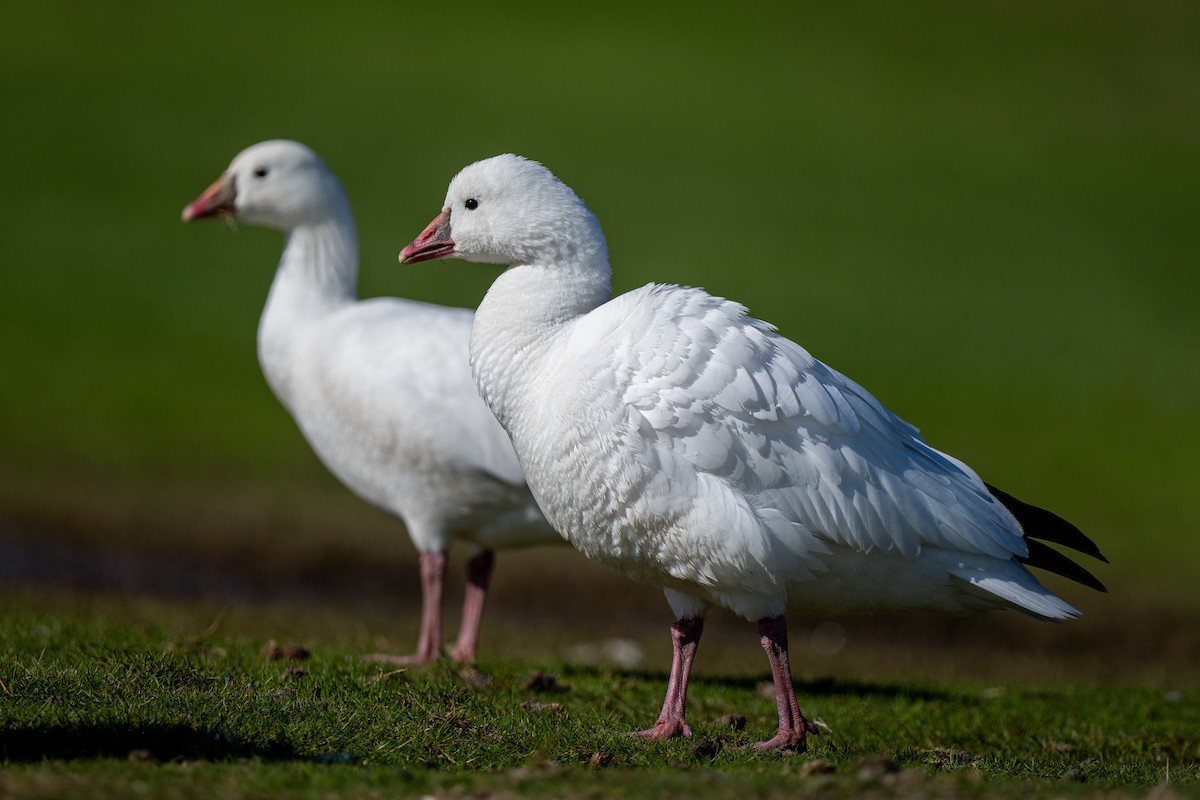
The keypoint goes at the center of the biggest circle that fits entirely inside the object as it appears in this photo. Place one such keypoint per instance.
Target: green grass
(148, 697)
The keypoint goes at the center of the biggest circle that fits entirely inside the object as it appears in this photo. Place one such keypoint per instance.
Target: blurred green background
(983, 212)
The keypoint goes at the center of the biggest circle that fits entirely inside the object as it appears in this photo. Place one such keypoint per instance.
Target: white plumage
(380, 388)
(673, 437)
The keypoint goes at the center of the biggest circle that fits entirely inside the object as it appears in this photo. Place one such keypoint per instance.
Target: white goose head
(509, 210)
(279, 183)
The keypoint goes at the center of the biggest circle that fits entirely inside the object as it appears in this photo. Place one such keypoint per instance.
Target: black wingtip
(1040, 524)
(1043, 556)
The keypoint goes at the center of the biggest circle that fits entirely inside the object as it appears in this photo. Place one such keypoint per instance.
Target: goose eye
(472, 204)
(261, 172)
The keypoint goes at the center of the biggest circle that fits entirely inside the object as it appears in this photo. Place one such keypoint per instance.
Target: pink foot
(479, 576)
(665, 729)
(793, 727)
(429, 640)
(685, 636)
(787, 740)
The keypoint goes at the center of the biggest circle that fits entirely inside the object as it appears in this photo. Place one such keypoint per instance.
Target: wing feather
(738, 402)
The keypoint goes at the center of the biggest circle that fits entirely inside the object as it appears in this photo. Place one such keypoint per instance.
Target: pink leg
(429, 640)
(772, 633)
(685, 636)
(479, 575)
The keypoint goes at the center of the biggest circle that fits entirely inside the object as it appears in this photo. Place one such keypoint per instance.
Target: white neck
(316, 276)
(522, 313)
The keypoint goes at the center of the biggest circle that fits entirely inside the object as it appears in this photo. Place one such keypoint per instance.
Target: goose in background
(380, 388)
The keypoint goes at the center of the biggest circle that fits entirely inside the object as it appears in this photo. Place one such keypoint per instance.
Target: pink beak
(220, 198)
(434, 242)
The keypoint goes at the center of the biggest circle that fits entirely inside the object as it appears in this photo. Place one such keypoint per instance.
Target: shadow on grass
(150, 743)
(817, 687)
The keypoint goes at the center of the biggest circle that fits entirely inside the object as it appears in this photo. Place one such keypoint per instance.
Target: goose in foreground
(673, 437)
(380, 388)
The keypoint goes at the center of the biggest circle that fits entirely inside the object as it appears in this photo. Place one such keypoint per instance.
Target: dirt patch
(555, 597)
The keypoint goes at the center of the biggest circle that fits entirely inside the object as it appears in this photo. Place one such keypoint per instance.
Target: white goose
(380, 388)
(686, 444)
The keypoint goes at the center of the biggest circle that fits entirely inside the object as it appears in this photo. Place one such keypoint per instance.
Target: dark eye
(471, 204)
(261, 172)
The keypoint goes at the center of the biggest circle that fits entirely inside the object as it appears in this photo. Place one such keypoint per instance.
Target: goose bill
(434, 242)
